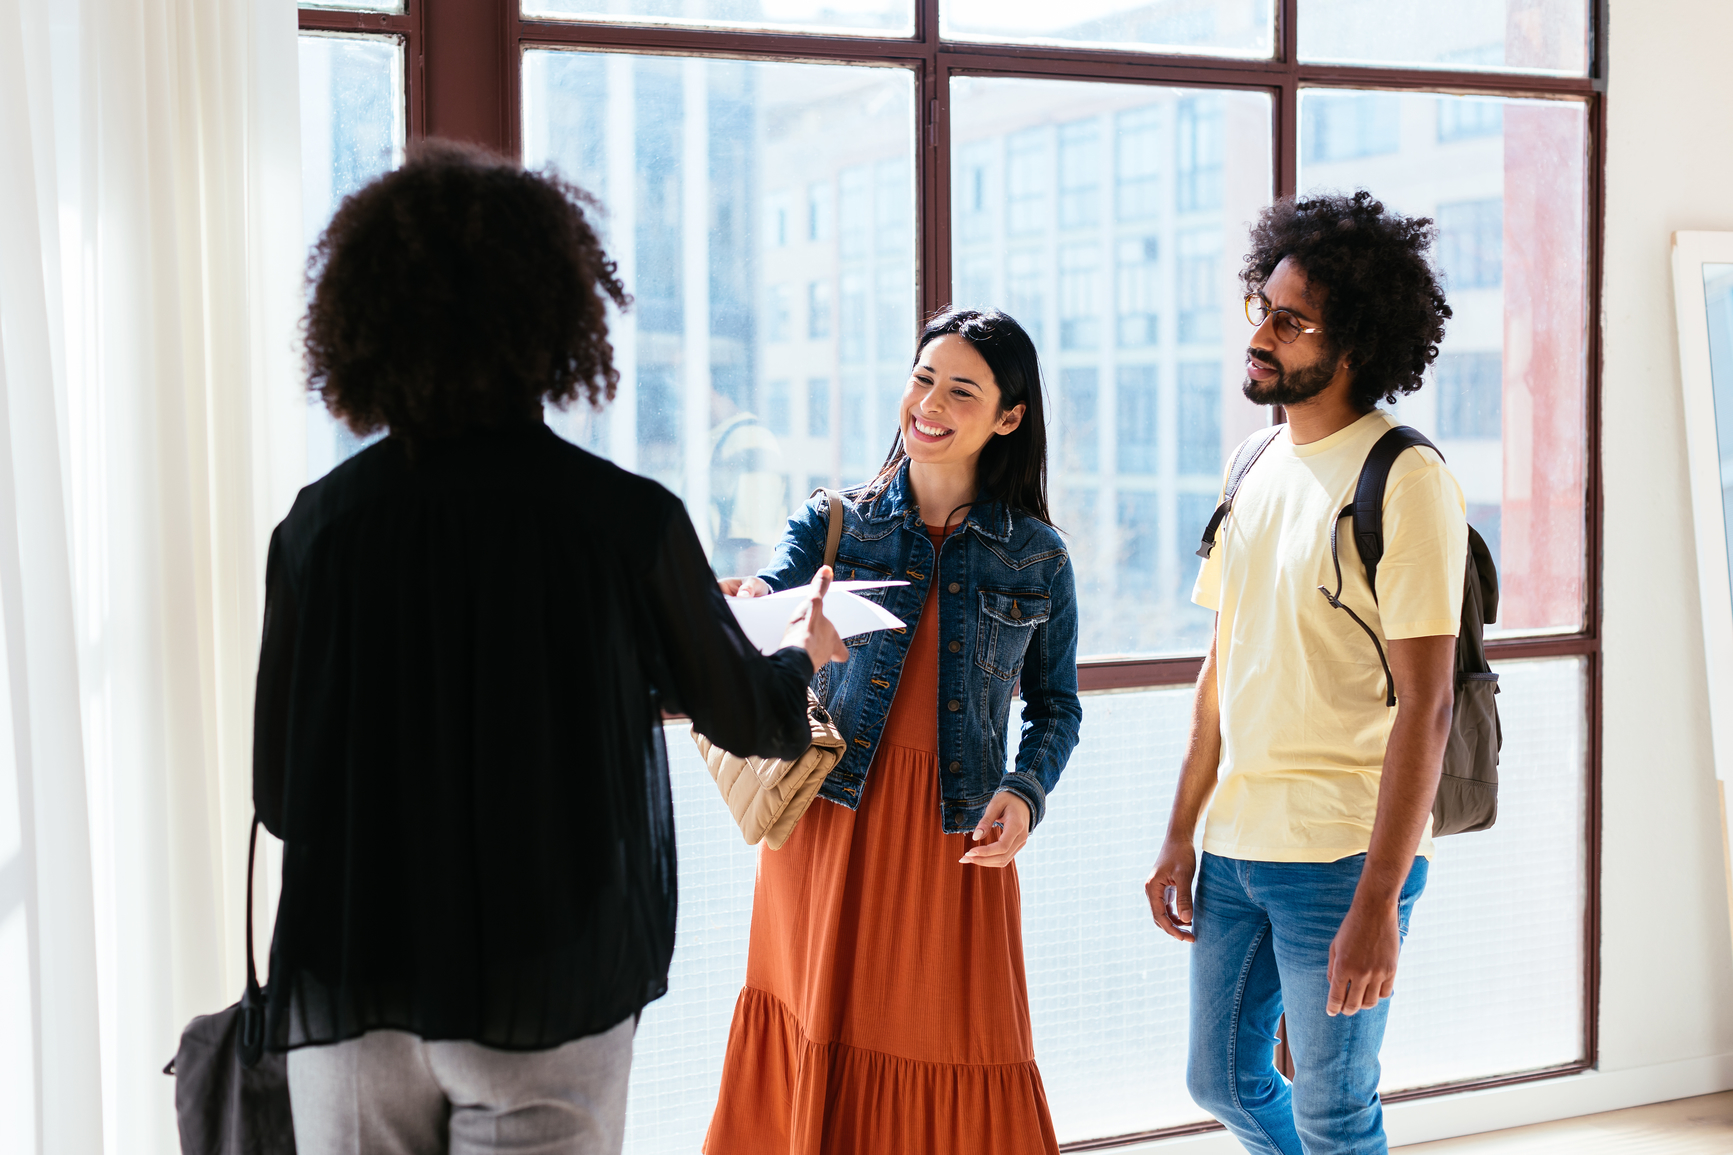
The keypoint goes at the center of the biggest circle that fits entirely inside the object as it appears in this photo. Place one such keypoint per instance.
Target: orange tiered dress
(885, 1010)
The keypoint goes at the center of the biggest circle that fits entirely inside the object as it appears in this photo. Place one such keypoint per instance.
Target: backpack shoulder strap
(1368, 507)
(1245, 457)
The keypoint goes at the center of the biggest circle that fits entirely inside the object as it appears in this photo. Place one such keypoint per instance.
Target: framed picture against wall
(1703, 298)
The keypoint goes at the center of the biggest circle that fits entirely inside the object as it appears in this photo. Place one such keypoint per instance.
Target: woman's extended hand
(746, 587)
(1010, 814)
(809, 629)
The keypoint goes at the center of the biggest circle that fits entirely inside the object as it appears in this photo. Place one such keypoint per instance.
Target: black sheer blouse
(458, 737)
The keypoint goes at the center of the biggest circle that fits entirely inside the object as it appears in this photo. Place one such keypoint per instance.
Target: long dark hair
(1012, 467)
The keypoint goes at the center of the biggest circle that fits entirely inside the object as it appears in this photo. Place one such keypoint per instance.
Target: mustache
(1262, 358)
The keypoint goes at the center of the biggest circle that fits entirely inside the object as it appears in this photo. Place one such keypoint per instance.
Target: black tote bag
(232, 1095)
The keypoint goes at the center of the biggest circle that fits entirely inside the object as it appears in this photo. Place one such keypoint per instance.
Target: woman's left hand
(1010, 814)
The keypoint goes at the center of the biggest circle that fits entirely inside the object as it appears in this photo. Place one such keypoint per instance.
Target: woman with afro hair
(471, 631)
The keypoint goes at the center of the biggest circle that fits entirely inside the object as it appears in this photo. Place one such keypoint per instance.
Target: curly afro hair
(1383, 306)
(459, 292)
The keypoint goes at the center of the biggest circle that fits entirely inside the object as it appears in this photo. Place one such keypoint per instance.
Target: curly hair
(459, 292)
(1382, 306)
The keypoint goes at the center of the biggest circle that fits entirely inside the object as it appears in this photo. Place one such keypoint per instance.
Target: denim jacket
(1007, 614)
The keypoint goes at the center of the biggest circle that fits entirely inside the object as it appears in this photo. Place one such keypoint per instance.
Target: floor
(1702, 1126)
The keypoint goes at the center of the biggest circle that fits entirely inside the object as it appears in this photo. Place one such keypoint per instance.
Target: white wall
(1666, 1023)
(1667, 966)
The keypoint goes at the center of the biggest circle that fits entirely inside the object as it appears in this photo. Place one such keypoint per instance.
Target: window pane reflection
(763, 217)
(863, 17)
(352, 130)
(1216, 27)
(1109, 220)
(1504, 181)
(1548, 36)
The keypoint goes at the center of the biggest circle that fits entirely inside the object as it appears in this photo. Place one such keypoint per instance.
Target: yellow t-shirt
(1303, 720)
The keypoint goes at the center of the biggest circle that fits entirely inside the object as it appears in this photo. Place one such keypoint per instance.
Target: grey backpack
(1468, 789)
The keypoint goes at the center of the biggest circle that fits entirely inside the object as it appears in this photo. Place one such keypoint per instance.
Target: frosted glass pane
(677, 1055)
(763, 217)
(1505, 181)
(1110, 220)
(1107, 991)
(352, 130)
(1491, 979)
(860, 17)
(1547, 36)
(1213, 27)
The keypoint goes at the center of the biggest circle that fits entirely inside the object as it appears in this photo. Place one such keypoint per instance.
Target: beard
(1289, 386)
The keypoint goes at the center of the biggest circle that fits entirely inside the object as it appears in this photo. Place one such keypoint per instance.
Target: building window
(853, 221)
(1024, 278)
(1136, 418)
(818, 407)
(1079, 296)
(779, 313)
(818, 211)
(778, 403)
(893, 207)
(1079, 442)
(1027, 172)
(1466, 119)
(1470, 395)
(970, 190)
(1197, 173)
(1135, 289)
(1200, 418)
(1080, 174)
(1471, 244)
(1200, 300)
(1139, 542)
(1344, 126)
(1137, 173)
(817, 310)
(851, 338)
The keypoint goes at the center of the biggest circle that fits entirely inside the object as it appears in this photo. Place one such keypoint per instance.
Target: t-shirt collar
(1345, 434)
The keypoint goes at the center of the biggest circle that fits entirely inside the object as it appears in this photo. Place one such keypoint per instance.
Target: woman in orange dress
(885, 1008)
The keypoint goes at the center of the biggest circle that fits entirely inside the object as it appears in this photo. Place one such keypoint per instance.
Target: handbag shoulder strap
(833, 532)
(252, 857)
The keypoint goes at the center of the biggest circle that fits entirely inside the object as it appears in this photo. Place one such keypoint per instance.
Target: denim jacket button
(953, 705)
(955, 587)
(956, 767)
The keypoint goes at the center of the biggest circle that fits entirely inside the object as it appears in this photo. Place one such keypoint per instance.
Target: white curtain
(151, 431)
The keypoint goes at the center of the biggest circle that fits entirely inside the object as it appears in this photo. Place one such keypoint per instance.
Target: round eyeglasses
(1287, 327)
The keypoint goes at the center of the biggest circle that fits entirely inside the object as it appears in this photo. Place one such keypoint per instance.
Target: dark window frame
(462, 69)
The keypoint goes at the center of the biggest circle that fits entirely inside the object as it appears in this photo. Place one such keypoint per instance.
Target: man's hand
(1169, 889)
(1007, 817)
(1363, 958)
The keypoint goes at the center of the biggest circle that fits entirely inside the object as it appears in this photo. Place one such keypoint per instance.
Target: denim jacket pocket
(854, 569)
(1007, 624)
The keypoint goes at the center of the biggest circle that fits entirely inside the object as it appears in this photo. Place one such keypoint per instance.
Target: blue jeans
(1263, 947)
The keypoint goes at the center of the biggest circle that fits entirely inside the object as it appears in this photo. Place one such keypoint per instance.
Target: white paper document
(765, 619)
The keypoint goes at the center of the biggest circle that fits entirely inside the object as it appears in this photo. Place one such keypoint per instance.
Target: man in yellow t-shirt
(1319, 793)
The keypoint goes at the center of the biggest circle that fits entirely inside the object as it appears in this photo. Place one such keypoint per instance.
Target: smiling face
(950, 406)
(1287, 374)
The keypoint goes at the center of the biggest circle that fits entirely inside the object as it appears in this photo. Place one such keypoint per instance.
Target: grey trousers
(390, 1093)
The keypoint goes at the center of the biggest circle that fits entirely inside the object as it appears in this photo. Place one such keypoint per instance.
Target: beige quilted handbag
(767, 796)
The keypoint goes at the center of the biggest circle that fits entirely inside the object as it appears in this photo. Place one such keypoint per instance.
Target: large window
(791, 186)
